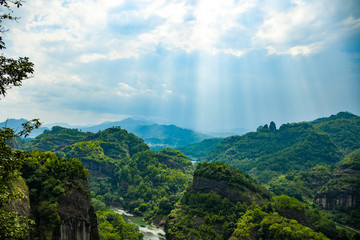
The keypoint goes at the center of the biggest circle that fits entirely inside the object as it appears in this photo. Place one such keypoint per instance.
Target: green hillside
(212, 204)
(123, 170)
(334, 189)
(198, 151)
(224, 203)
(270, 152)
(159, 136)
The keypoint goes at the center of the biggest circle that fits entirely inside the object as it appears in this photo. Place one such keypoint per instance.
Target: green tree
(12, 73)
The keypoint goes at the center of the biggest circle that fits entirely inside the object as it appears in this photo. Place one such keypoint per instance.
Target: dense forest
(124, 172)
(270, 152)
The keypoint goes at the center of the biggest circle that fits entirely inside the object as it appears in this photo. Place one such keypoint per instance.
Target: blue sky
(208, 64)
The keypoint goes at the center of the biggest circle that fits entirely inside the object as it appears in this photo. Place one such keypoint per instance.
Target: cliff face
(228, 183)
(330, 200)
(78, 219)
(213, 203)
(22, 205)
(344, 187)
(99, 169)
(205, 185)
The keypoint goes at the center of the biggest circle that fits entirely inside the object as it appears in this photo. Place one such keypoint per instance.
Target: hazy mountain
(156, 135)
(16, 125)
(228, 132)
(168, 135)
(129, 124)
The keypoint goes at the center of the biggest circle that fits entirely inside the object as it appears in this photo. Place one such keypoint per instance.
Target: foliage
(113, 227)
(12, 225)
(204, 216)
(198, 151)
(47, 177)
(326, 183)
(269, 153)
(12, 71)
(234, 177)
(213, 215)
(123, 169)
(151, 178)
(343, 129)
(257, 224)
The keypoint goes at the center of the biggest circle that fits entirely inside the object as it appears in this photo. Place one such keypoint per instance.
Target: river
(150, 232)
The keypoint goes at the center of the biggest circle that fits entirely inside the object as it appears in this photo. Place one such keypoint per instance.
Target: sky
(209, 65)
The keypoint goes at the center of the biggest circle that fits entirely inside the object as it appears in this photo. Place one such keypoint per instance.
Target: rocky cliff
(329, 200)
(212, 204)
(223, 188)
(343, 190)
(78, 219)
(344, 187)
(228, 183)
(60, 201)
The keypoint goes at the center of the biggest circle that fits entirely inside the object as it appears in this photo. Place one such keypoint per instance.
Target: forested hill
(334, 188)
(157, 136)
(110, 143)
(198, 151)
(224, 203)
(297, 146)
(123, 170)
(168, 135)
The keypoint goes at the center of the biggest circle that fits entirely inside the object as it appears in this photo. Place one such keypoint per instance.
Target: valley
(302, 176)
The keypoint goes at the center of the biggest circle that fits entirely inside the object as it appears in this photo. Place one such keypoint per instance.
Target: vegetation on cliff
(223, 203)
(335, 189)
(124, 171)
(259, 224)
(212, 204)
(113, 227)
(49, 178)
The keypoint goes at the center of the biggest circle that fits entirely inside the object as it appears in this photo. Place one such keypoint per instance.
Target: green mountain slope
(335, 189)
(168, 135)
(299, 146)
(212, 204)
(197, 151)
(224, 203)
(123, 170)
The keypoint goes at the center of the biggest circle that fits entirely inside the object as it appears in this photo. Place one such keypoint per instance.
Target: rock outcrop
(344, 187)
(78, 219)
(329, 200)
(205, 185)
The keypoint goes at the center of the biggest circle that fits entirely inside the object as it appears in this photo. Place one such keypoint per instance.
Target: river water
(150, 232)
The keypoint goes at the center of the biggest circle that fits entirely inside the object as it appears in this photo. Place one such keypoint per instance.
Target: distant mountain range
(16, 124)
(156, 135)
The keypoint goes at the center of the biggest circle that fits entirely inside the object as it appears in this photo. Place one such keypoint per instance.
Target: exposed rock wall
(330, 200)
(99, 169)
(78, 219)
(205, 185)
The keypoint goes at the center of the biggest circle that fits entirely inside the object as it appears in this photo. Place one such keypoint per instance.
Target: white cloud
(296, 50)
(351, 21)
(237, 53)
(95, 30)
(305, 28)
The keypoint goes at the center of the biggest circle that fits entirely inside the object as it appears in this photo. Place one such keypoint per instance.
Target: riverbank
(150, 232)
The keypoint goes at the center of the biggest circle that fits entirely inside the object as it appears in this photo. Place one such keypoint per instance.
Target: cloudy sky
(203, 64)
